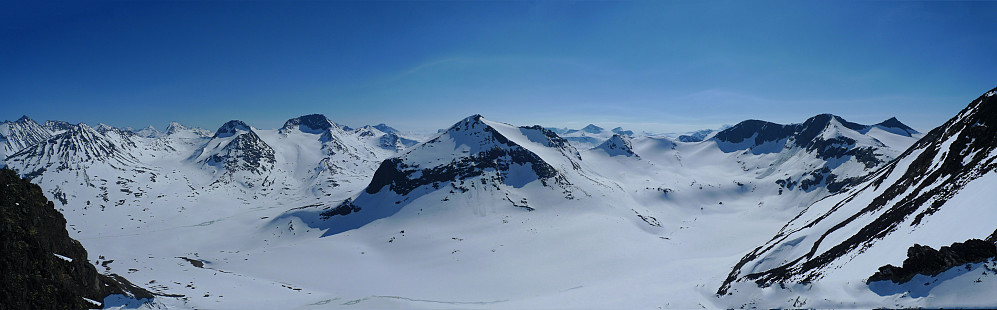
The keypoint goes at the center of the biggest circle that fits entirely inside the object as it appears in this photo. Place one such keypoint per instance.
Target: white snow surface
(658, 230)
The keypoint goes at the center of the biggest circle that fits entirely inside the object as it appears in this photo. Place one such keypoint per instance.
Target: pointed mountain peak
(592, 129)
(23, 119)
(821, 121)
(175, 128)
(894, 125)
(618, 145)
(312, 123)
(231, 128)
(468, 123)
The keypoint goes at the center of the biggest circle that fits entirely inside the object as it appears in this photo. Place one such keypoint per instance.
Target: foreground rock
(40, 265)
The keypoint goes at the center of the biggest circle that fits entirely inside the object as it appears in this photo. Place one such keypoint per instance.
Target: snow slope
(936, 193)
(482, 215)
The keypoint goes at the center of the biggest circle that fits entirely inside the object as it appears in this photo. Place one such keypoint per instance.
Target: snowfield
(488, 215)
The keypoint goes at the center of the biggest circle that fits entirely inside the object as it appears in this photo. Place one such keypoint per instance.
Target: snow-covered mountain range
(486, 214)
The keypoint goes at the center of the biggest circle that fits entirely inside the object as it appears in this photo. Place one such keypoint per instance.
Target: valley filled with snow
(488, 214)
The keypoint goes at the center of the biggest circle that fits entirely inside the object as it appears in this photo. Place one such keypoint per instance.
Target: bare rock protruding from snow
(76, 149)
(486, 149)
(939, 191)
(20, 134)
(312, 123)
(234, 148)
(833, 146)
(922, 259)
(41, 266)
(473, 157)
(618, 145)
(895, 126)
(56, 127)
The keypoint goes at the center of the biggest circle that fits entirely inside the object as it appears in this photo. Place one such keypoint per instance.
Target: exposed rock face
(618, 145)
(312, 123)
(827, 137)
(927, 261)
(497, 153)
(56, 127)
(75, 149)
(40, 265)
(20, 134)
(896, 200)
(236, 147)
(895, 126)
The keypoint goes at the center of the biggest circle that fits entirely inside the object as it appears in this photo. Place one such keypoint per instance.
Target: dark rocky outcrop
(231, 128)
(927, 261)
(894, 125)
(617, 145)
(498, 153)
(54, 126)
(41, 267)
(941, 164)
(312, 123)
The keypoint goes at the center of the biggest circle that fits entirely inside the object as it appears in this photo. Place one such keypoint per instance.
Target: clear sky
(660, 66)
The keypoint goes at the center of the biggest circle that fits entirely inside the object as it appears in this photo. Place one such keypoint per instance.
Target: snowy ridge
(522, 208)
(76, 149)
(936, 193)
(825, 147)
(473, 155)
(20, 134)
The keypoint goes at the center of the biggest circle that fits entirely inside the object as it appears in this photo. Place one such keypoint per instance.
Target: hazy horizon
(421, 66)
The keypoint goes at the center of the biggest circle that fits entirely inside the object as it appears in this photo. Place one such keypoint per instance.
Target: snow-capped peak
(174, 128)
(232, 128)
(893, 125)
(618, 145)
(922, 196)
(592, 129)
(20, 134)
(312, 123)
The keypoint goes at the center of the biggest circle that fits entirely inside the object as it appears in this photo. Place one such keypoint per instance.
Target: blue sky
(660, 66)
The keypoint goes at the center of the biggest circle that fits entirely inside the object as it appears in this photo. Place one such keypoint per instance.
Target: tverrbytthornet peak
(938, 193)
